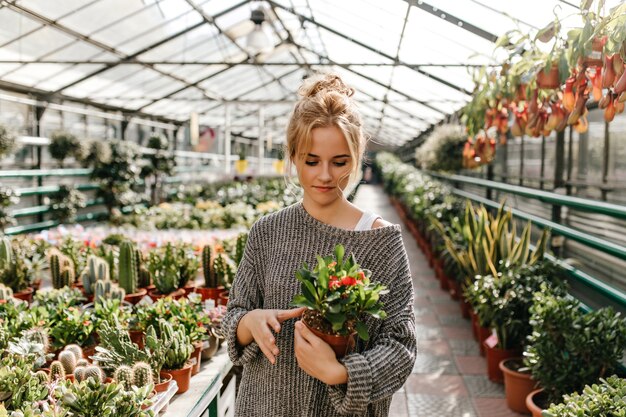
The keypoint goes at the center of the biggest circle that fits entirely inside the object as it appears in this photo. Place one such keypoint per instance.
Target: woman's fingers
(274, 323)
(305, 333)
(290, 314)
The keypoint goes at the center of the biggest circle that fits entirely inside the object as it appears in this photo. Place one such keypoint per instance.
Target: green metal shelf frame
(583, 204)
(582, 277)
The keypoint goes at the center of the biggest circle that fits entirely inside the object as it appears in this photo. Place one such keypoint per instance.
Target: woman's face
(325, 169)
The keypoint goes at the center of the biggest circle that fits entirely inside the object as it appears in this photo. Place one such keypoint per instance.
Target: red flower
(361, 275)
(348, 281)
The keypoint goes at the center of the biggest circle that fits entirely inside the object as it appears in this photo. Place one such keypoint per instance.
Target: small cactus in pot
(68, 360)
(124, 375)
(6, 293)
(57, 371)
(142, 375)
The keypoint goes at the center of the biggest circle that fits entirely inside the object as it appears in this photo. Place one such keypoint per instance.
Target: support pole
(570, 162)
(39, 111)
(261, 145)
(227, 139)
(605, 161)
(543, 162)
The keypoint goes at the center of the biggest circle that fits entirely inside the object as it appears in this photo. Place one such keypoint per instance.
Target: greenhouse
(312, 208)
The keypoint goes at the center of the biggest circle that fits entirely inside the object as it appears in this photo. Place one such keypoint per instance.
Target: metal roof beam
(381, 53)
(435, 11)
(257, 64)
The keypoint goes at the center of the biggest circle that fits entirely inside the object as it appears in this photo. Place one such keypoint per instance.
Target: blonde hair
(325, 100)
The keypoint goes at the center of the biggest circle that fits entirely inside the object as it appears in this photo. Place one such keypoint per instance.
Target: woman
(288, 371)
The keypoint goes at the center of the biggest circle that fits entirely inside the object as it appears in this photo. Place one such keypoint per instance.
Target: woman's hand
(258, 325)
(317, 358)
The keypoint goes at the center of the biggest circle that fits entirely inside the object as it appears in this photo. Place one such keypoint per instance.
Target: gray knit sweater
(277, 246)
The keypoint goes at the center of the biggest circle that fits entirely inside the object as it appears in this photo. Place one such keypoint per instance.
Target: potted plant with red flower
(337, 294)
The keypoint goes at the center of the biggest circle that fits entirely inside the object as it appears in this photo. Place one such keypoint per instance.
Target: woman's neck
(340, 213)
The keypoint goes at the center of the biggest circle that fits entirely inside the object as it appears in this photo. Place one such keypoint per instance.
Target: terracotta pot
(483, 333)
(89, 351)
(521, 92)
(136, 297)
(474, 319)
(26, 295)
(210, 293)
(517, 385)
(342, 345)
(594, 59)
(223, 298)
(162, 386)
(531, 402)
(549, 80)
(136, 336)
(36, 284)
(88, 298)
(156, 295)
(189, 287)
(196, 357)
(182, 377)
(494, 356)
(70, 377)
(444, 281)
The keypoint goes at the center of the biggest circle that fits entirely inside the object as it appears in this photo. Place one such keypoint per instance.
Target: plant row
(523, 317)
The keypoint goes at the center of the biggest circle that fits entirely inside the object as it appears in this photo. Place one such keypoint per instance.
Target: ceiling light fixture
(258, 41)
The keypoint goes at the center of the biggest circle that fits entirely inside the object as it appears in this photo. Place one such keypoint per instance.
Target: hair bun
(325, 83)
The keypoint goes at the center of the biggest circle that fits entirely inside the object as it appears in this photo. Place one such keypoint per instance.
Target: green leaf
(547, 33)
(361, 329)
(301, 301)
(585, 4)
(339, 252)
(309, 292)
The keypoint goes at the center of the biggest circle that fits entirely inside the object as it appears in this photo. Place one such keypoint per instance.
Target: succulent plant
(142, 374)
(68, 360)
(81, 362)
(180, 349)
(124, 375)
(225, 269)
(5, 293)
(143, 275)
(240, 246)
(6, 252)
(97, 269)
(127, 275)
(57, 371)
(76, 350)
(79, 373)
(38, 335)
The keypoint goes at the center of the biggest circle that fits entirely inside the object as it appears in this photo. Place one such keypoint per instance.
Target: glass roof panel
(150, 26)
(107, 11)
(55, 9)
(191, 73)
(66, 76)
(32, 74)
(36, 44)
(13, 24)
(365, 20)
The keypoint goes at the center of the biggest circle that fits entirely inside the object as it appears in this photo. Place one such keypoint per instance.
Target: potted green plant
(8, 197)
(443, 148)
(164, 266)
(62, 146)
(568, 348)
(338, 294)
(65, 203)
(178, 354)
(159, 163)
(607, 398)
(129, 272)
(13, 270)
(7, 141)
(73, 327)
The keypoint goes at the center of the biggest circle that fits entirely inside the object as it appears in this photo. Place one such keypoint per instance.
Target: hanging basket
(549, 80)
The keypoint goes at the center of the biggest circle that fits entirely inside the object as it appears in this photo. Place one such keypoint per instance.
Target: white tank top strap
(366, 221)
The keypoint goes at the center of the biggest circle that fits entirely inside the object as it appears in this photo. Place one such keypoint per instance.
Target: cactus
(224, 269)
(76, 350)
(56, 371)
(124, 375)
(5, 292)
(210, 279)
(107, 289)
(180, 349)
(42, 376)
(144, 279)
(127, 276)
(79, 373)
(61, 269)
(6, 252)
(68, 360)
(82, 362)
(95, 372)
(142, 375)
(97, 269)
(117, 293)
(239, 247)
(38, 335)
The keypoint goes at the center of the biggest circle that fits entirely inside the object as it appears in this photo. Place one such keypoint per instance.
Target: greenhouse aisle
(449, 378)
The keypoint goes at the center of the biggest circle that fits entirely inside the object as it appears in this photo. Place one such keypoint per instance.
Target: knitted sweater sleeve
(383, 368)
(245, 295)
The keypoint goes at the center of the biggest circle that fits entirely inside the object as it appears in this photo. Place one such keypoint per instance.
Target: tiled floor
(449, 377)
